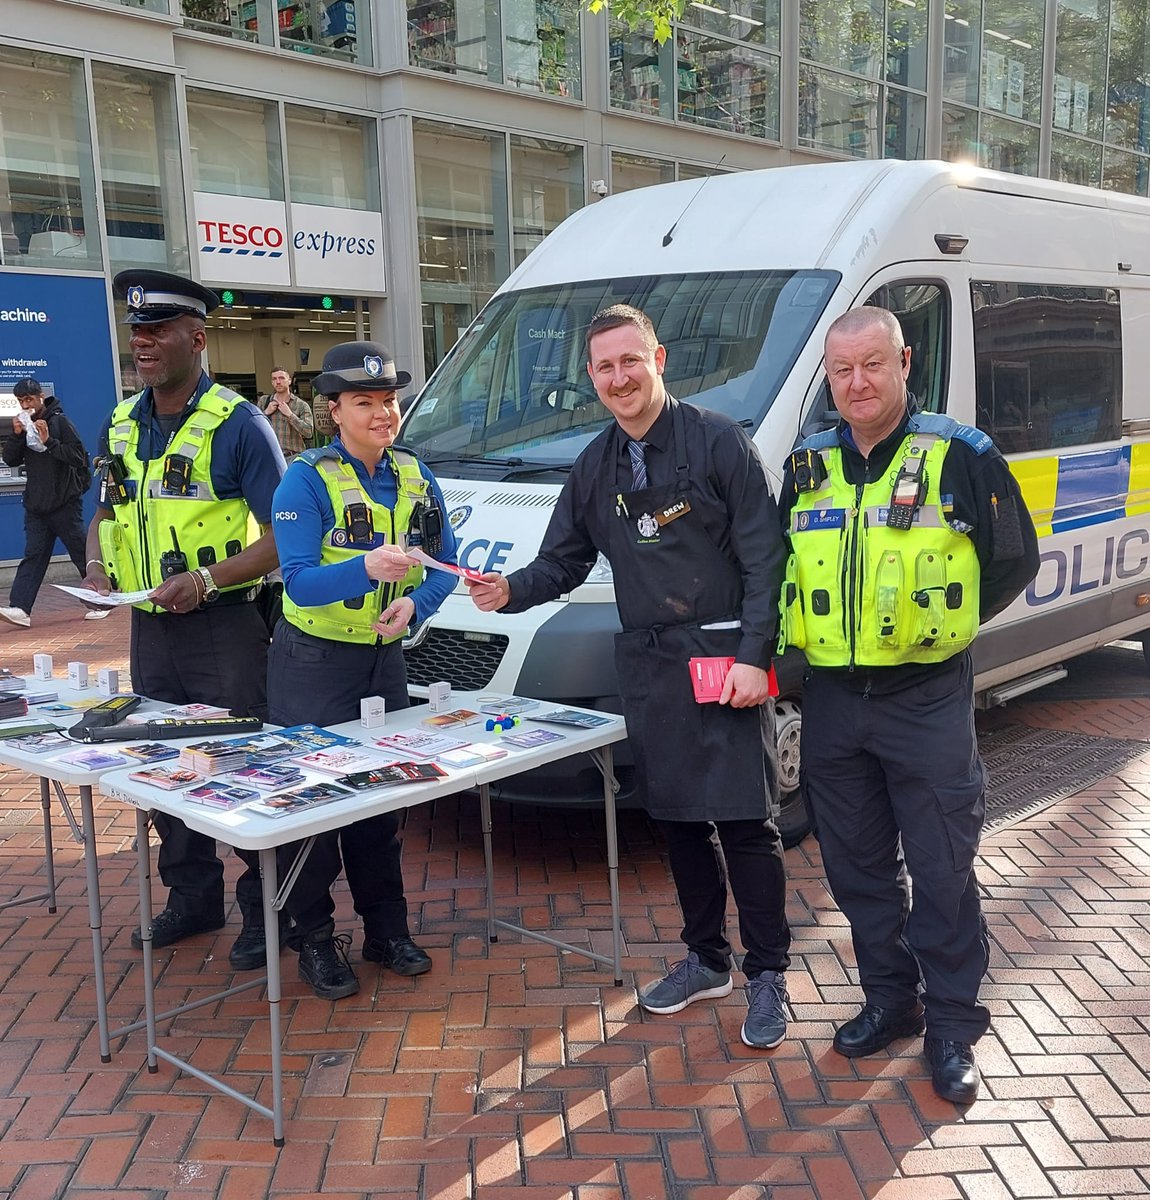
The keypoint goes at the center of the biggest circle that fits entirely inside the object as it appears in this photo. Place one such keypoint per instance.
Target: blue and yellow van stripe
(1078, 489)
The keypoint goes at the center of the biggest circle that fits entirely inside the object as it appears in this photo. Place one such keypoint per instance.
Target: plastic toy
(502, 722)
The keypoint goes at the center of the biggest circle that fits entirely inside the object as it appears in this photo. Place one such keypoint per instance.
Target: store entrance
(253, 333)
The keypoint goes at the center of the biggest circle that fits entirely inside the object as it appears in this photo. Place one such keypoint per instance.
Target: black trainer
(401, 954)
(875, 1028)
(249, 950)
(953, 1071)
(171, 926)
(323, 964)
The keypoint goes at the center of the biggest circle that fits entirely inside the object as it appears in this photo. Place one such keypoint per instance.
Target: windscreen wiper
(534, 468)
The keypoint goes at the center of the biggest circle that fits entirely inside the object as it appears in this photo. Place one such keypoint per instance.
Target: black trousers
(752, 858)
(321, 681)
(214, 656)
(897, 789)
(40, 533)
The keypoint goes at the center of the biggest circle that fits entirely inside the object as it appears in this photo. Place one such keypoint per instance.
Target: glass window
(1012, 57)
(959, 134)
(234, 145)
(963, 20)
(1125, 172)
(332, 28)
(460, 37)
(1008, 146)
(1073, 160)
(1048, 364)
(731, 340)
(727, 85)
(1080, 66)
(699, 170)
(640, 71)
(905, 130)
(838, 113)
(848, 35)
(47, 183)
(906, 43)
(152, 5)
(226, 18)
(546, 188)
(630, 171)
(541, 50)
(461, 194)
(754, 21)
(332, 159)
(140, 165)
(923, 311)
(1128, 92)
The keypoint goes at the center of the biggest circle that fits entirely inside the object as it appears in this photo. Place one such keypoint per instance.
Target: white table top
(254, 831)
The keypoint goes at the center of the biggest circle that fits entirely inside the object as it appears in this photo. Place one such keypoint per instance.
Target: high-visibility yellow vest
(859, 593)
(352, 620)
(200, 525)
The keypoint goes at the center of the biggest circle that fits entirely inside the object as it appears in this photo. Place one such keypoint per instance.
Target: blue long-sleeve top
(303, 516)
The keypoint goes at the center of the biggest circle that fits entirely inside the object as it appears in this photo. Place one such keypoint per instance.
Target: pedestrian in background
(291, 417)
(57, 475)
(906, 531)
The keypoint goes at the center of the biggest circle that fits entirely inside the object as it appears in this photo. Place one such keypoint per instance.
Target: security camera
(599, 187)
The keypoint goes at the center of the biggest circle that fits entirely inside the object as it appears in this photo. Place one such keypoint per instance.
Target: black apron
(696, 762)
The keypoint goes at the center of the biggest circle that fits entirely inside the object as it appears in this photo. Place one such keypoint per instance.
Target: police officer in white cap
(188, 471)
(344, 516)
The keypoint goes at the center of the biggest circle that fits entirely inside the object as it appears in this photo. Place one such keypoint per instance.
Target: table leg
(92, 871)
(488, 858)
(143, 872)
(49, 864)
(272, 940)
(608, 769)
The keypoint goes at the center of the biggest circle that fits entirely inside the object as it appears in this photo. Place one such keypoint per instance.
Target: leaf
(660, 14)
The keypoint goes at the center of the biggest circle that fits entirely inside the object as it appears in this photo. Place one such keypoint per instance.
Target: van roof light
(951, 243)
(1125, 266)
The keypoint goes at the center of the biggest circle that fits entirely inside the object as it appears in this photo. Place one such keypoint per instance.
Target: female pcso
(342, 516)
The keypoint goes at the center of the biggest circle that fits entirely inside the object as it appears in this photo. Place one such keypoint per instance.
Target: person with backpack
(57, 474)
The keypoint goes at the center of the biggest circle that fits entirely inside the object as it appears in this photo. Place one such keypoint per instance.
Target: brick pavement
(514, 1072)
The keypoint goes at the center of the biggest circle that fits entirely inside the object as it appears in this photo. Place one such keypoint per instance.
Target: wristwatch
(210, 589)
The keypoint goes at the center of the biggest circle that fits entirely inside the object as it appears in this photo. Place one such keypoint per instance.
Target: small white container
(78, 675)
(42, 666)
(108, 681)
(372, 712)
(439, 697)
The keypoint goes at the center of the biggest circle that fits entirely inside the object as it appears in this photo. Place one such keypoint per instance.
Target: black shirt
(730, 495)
(986, 498)
(59, 473)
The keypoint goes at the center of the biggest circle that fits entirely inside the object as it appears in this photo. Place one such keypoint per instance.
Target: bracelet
(201, 587)
(98, 561)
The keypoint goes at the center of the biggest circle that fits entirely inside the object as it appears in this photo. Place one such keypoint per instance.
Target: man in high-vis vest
(906, 532)
(188, 470)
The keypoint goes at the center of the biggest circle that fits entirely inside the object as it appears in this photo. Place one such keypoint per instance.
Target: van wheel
(793, 819)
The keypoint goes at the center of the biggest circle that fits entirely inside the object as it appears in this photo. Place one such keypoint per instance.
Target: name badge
(673, 512)
(819, 518)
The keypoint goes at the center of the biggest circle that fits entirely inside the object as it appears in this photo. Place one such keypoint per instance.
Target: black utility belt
(224, 600)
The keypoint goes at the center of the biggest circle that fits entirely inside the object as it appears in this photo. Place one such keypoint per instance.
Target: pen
(994, 504)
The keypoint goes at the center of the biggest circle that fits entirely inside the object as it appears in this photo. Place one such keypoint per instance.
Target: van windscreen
(514, 391)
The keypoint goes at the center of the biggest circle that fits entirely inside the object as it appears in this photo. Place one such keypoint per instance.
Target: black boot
(323, 964)
(401, 954)
(173, 926)
(249, 951)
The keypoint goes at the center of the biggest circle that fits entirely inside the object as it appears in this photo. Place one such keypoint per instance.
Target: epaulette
(949, 429)
(312, 456)
(821, 441)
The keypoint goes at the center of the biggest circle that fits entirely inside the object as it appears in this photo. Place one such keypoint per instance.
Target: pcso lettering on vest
(324, 242)
(228, 237)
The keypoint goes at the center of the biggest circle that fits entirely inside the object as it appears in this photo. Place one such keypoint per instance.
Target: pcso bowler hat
(155, 296)
(359, 367)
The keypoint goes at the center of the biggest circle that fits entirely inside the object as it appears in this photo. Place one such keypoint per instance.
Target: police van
(1026, 303)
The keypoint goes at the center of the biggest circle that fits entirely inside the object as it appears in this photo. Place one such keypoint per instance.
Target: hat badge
(373, 365)
(135, 296)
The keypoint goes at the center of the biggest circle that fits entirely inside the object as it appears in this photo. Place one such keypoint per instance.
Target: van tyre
(793, 818)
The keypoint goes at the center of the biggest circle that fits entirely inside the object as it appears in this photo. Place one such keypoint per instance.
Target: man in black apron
(675, 497)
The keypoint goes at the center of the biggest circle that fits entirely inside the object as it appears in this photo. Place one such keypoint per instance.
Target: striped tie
(638, 464)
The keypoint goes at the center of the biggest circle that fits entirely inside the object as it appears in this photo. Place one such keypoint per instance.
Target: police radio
(909, 492)
(357, 520)
(174, 561)
(114, 487)
(426, 530)
(807, 470)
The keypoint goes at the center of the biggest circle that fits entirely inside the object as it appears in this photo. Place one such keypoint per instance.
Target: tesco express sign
(246, 240)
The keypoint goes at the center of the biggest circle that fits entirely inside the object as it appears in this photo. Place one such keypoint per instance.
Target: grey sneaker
(766, 1023)
(686, 982)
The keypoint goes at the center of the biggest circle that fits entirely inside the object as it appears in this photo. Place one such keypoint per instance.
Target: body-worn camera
(113, 486)
(427, 527)
(807, 470)
(177, 475)
(359, 524)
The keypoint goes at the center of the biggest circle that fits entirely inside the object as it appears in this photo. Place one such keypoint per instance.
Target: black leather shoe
(171, 926)
(952, 1070)
(401, 954)
(249, 952)
(323, 964)
(875, 1028)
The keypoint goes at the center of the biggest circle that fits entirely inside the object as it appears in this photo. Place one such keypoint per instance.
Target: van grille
(466, 664)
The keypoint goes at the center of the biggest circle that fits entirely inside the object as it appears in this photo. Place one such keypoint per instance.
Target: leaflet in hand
(436, 565)
(112, 600)
(299, 799)
(416, 744)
